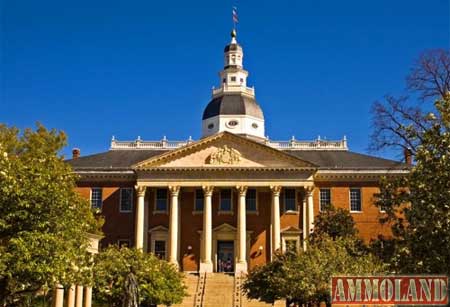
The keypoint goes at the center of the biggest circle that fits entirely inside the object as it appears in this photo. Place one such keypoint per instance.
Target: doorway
(225, 256)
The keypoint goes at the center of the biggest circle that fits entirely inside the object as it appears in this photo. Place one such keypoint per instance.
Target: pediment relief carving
(224, 155)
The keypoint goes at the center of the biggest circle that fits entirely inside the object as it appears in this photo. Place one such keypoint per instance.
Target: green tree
(158, 281)
(304, 278)
(418, 204)
(43, 221)
(334, 223)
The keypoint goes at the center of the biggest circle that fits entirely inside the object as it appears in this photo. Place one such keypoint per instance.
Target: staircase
(195, 286)
(218, 290)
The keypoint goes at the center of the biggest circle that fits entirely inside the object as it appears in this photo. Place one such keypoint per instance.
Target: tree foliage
(334, 222)
(419, 203)
(305, 277)
(43, 221)
(159, 282)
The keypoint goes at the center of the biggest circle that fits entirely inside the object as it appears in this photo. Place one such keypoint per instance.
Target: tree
(305, 278)
(399, 122)
(158, 281)
(43, 221)
(419, 204)
(334, 223)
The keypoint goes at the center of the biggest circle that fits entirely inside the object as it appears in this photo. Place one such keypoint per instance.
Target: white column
(79, 296)
(87, 296)
(304, 223)
(241, 265)
(276, 237)
(58, 296)
(71, 296)
(173, 225)
(206, 264)
(309, 195)
(139, 230)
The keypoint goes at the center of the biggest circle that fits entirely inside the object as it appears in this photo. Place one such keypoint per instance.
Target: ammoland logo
(390, 290)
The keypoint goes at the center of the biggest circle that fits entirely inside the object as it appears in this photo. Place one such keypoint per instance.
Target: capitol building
(228, 201)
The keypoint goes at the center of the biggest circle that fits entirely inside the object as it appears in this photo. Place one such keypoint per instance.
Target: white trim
(296, 211)
(350, 199)
(290, 237)
(159, 233)
(362, 171)
(90, 197)
(320, 196)
(131, 200)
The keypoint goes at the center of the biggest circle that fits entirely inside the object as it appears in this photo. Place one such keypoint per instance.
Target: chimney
(75, 153)
(408, 156)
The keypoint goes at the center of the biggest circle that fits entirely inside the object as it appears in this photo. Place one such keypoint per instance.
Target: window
(161, 200)
(250, 200)
(123, 243)
(291, 246)
(96, 198)
(160, 249)
(225, 200)
(242, 80)
(325, 198)
(210, 126)
(126, 199)
(233, 79)
(355, 199)
(198, 206)
(289, 200)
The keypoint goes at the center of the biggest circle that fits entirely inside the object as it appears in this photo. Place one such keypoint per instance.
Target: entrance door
(225, 256)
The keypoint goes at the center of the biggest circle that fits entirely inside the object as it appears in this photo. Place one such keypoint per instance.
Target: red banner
(390, 290)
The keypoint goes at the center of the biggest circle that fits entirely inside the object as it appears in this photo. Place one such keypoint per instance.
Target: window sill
(125, 211)
(291, 212)
(159, 212)
(252, 212)
(225, 213)
(197, 212)
(356, 212)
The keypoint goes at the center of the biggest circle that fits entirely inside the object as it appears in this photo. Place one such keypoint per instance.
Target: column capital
(242, 190)
(276, 189)
(140, 190)
(309, 190)
(208, 190)
(174, 190)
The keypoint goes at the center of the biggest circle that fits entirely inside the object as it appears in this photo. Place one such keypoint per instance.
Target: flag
(235, 15)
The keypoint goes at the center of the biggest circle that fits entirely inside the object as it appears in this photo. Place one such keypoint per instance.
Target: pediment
(224, 150)
(225, 227)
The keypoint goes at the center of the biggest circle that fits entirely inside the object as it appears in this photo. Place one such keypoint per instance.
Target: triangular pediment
(224, 150)
(225, 227)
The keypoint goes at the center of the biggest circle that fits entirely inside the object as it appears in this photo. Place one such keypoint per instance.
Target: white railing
(309, 145)
(225, 88)
(293, 144)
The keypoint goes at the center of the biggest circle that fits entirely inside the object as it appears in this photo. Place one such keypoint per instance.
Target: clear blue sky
(126, 68)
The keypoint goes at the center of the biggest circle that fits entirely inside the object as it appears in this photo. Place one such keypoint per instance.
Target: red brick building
(228, 200)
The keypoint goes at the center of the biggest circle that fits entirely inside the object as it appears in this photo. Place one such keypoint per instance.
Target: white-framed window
(199, 200)
(324, 198)
(96, 198)
(251, 201)
(290, 200)
(355, 200)
(124, 243)
(126, 199)
(226, 204)
(290, 241)
(161, 201)
(159, 249)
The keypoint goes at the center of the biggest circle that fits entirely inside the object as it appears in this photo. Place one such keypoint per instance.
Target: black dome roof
(233, 104)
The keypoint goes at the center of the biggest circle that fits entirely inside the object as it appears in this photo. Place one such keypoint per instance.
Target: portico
(224, 162)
